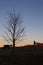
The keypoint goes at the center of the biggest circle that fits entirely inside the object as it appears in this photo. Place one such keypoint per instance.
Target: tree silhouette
(15, 29)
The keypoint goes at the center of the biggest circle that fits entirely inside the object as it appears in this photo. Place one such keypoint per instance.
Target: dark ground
(22, 56)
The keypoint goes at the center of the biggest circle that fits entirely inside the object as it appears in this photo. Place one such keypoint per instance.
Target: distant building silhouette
(34, 43)
(37, 44)
(7, 46)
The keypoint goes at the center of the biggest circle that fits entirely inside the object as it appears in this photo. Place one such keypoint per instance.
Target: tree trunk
(13, 43)
(13, 52)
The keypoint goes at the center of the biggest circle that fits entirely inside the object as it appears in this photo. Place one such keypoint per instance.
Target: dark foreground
(22, 56)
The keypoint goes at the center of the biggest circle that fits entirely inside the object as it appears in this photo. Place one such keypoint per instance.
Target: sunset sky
(32, 15)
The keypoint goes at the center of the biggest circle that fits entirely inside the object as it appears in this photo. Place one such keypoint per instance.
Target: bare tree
(15, 29)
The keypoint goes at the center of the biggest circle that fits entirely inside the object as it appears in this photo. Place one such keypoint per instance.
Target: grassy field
(22, 56)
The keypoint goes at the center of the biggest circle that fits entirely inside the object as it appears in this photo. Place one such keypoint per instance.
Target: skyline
(32, 15)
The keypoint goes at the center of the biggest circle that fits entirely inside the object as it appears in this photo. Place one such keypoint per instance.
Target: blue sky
(32, 14)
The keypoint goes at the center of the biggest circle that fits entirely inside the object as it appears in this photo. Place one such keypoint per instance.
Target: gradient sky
(32, 14)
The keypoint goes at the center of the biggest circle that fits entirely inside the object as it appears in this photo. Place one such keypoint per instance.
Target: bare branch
(9, 30)
(5, 38)
(9, 37)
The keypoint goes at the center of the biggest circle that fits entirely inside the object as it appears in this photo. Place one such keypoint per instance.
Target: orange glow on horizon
(2, 42)
(17, 45)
